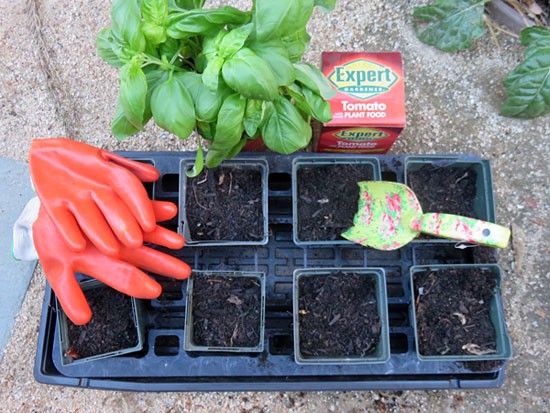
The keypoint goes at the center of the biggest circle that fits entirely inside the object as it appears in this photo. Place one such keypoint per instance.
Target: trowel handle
(465, 229)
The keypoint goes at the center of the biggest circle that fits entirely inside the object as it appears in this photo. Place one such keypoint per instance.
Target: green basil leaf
(276, 56)
(192, 82)
(234, 40)
(105, 44)
(450, 25)
(326, 5)
(285, 131)
(199, 163)
(214, 158)
(296, 44)
(314, 79)
(229, 128)
(154, 13)
(281, 18)
(250, 75)
(319, 107)
(528, 85)
(155, 77)
(310, 103)
(172, 107)
(133, 92)
(204, 21)
(535, 38)
(237, 148)
(121, 127)
(207, 130)
(211, 74)
(209, 102)
(211, 44)
(126, 18)
(253, 116)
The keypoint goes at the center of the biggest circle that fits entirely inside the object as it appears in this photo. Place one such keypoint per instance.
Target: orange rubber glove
(93, 190)
(121, 273)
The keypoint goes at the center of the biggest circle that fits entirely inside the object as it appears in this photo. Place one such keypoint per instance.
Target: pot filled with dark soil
(451, 184)
(340, 316)
(325, 196)
(115, 328)
(225, 312)
(226, 205)
(457, 313)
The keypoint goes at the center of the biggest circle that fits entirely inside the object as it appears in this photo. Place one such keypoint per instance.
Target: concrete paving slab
(14, 275)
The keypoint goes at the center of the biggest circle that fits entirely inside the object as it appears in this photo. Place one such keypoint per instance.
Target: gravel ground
(54, 84)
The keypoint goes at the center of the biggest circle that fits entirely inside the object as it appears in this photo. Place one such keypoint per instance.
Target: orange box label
(368, 110)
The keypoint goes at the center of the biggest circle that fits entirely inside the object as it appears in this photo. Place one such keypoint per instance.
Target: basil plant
(231, 75)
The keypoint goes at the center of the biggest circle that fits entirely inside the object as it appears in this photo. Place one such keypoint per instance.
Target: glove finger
(67, 226)
(156, 262)
(68, 292)
(164, 210)
(144, 172)
(118, 274)
(130, 189)
(95, 227)
(164, 237)
(119, 217)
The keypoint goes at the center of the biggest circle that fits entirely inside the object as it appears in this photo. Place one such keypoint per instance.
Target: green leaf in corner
(284, 130)
(211, 74)
(450, 25)
(528, 85)
(133, 92)
(105, 42)
(126, 18)
(229, 128)
(172, 107)
(154, 13)
(314, 79)
(234, 40)
(296, 44)
(281, 18)
(121, 127)
(199, 162)
(275, 54)
(253, 116)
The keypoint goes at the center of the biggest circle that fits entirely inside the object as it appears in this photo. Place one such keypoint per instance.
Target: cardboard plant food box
(368, 110)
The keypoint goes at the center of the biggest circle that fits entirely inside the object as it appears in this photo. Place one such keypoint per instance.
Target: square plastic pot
(382, 351)
(63, 321)
(317, 161)
(189, 343)
(483, 204)
(246, 164)
(503, 344)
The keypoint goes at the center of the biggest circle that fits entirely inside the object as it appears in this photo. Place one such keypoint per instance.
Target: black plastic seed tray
(163, 365)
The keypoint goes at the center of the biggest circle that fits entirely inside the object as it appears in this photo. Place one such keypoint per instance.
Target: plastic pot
(65, 344)
(381, 353)
(190, 342)
(242, 164)
(483, 202)
(503, 345)
(311, 162)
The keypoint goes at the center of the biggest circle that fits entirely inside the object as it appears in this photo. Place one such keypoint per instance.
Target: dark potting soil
(225, 204)
(453, 311)
(111, 328)
(338, 315)
(449, 190)
(328, 196)
(226, 311)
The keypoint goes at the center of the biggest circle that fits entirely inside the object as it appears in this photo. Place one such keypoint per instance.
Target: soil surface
(225, 204)
(226, 311)
(327, 199)
(450, 190)
(338, 315)
(453, 312)
(111, 328)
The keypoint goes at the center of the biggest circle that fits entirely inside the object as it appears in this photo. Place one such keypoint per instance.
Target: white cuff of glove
(23, 243)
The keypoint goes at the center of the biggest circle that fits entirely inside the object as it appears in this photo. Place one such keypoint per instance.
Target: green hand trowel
(390, 216)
